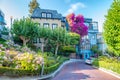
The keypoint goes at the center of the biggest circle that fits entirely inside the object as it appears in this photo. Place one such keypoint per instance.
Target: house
(47, 18)
(89, 40)
(2, 21)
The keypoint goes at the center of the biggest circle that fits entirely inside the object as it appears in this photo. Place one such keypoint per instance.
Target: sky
(95, 9)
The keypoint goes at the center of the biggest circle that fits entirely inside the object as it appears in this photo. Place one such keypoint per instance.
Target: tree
(32, 5)
(25, 29)
(60, 37)
(44, 34)
(112, 28)
(74, 38)
(77, 24)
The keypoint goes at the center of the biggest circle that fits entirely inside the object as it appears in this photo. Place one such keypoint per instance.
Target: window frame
(44, 15)
(46, 24)
(49, 15)
(53, 25)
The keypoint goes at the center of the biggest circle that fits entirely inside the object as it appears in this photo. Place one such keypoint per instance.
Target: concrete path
(81, 71)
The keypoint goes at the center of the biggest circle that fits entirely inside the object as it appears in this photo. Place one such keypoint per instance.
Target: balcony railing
(100, 41)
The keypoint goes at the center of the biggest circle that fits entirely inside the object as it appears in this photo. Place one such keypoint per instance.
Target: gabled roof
(37, 13)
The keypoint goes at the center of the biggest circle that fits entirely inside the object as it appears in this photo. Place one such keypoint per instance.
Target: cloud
(74, 7)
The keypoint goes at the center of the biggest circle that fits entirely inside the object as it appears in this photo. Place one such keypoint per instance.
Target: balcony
(100, 41)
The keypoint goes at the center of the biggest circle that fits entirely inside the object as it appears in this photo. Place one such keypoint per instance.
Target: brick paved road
(81, 71)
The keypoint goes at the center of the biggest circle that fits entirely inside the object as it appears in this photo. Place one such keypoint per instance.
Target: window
(54, 26)
(90, 26)
(46, 24)
(63, 26)
(34, 40)
(49, 15)
(37, 24)
(95, 25)
(44, 15)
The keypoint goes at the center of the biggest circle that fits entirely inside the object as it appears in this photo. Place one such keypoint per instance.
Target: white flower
(5, 58)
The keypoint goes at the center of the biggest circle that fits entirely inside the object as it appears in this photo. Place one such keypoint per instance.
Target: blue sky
(95, 9)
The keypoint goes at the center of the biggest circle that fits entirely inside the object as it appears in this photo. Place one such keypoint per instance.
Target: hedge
(52, 68)
(17, 72)
(22, 72)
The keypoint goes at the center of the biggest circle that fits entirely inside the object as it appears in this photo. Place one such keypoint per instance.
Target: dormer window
(49, 15)
(44, 15)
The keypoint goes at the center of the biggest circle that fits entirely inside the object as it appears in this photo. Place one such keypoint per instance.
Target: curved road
(81, 71)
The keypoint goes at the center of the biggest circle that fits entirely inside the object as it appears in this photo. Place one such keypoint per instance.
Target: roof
(38, 11)
(2, 21)
(1, 13)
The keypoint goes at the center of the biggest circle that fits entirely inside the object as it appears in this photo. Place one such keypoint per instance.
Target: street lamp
(10, 36)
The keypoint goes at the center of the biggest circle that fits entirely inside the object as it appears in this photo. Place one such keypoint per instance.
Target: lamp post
(10, 36)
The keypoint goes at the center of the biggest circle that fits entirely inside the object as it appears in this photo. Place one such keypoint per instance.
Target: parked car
(89, 61)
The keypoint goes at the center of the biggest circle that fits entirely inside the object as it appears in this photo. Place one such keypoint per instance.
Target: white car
(88, 61)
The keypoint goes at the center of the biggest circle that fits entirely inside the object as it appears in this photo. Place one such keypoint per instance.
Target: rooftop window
(49, 15)
(44, 15)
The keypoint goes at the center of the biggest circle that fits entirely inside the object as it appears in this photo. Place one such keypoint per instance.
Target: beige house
(47, 18)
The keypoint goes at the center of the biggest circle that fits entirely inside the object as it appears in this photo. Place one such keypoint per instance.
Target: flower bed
(13, 63)
(21, 61)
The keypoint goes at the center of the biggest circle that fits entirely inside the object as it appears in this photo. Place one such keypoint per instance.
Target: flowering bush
(17, 60)
(77, 25)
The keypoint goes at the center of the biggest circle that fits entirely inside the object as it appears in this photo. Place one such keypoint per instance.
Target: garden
(21, 57)
(21, 61)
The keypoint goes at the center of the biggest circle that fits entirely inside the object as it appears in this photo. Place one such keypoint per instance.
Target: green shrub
(51, 68)
(69, 49)
(2, 41)
(18, 72)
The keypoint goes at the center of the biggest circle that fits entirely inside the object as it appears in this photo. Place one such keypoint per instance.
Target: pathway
(81, 71)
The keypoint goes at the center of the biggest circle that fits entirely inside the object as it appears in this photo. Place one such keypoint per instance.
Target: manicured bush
(108, 63)
(51, 68)
(67, 50)
(17, 72)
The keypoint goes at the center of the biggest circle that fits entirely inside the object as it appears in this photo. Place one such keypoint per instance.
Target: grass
(108, 63)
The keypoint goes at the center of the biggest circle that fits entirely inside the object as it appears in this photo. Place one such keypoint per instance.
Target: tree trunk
(24, 39)
(24, 42)
(42, 44)
(56, 50)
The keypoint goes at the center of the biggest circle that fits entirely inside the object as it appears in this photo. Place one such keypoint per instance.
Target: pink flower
(77, 24)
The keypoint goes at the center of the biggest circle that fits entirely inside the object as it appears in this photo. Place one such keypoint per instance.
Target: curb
(108, 71)
(58, 70)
